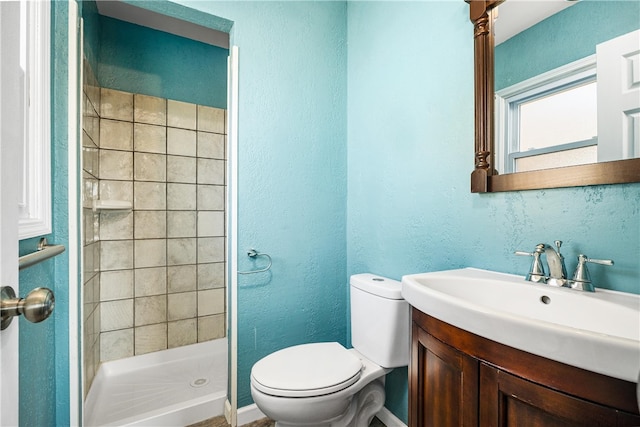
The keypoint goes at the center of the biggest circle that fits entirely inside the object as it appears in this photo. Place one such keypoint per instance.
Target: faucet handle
(581, 278)
(536, 273)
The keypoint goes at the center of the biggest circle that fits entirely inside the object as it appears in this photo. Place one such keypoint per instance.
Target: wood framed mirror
(484, 177)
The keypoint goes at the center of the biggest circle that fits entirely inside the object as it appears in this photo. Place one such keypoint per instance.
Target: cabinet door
(443, 383)
(507, 400)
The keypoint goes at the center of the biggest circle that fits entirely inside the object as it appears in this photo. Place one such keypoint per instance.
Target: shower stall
(154, 254)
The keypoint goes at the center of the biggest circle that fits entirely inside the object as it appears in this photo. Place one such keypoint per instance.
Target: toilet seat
(306, 370)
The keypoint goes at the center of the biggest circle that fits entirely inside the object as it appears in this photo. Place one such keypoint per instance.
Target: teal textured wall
(138, 59)
(363, 166)
(44, 347)
(565, 37)
(410, 154)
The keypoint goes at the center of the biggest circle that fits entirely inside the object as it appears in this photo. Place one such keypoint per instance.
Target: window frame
(35, 197)
(508, 101)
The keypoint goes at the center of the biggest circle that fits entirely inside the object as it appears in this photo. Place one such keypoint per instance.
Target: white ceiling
(146, 18)
(515, 16)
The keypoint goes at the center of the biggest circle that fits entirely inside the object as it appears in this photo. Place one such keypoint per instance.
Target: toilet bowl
(325, 384)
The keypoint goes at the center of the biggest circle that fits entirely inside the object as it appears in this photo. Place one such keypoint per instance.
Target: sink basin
(598, 331)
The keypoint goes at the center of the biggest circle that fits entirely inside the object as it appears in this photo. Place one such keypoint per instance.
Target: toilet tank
(380, 320)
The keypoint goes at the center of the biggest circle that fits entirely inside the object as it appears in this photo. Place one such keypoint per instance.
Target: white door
(11, 131)
(618, 67)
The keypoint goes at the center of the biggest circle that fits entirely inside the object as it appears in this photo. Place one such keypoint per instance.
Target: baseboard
(389, 419)
(251, 413)
(227, 412)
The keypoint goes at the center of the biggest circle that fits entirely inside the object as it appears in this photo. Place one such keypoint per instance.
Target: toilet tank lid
(377, 285)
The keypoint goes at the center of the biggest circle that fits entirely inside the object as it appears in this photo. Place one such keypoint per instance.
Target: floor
(265, 422)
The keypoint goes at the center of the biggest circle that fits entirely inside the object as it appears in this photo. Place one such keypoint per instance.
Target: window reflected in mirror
(567, 92)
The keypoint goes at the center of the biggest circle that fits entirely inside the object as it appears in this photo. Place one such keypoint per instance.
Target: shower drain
(200, 382)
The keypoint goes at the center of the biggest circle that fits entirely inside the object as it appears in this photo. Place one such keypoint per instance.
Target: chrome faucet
(555, 261)
(581, 279)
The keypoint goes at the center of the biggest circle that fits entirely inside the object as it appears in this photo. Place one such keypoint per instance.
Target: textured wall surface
(137, 59)
(410, 154)
(409, 139)
(578, 28)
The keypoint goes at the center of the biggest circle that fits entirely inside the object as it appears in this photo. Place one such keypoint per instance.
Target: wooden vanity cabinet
(457, 378)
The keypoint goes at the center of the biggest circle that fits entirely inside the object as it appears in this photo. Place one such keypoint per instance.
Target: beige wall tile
(181, 196)
(211, 145)
(181, 306)
(182, 332)
(150, 224)
(150, 109)
(149, 167)
(115, 104)
(181, 278)
(150, 196)
(116, 314)
(211, 171)
(211, 197)
(181, 142)
(181, 224)
(211, 119)
(116, 135)
(150, 310)
(181, 251)
(210, 302)
(90, 186)
(181, 169)
(210, 223)
(211, 327)
(116, 225)
(116, 190)
(211, 275)
(116, 165)
(210, 249)
(151, 338)
(181, 114)
(150, 281)
(90, 160)
(150, 253)
(149, 138)
(116, 345)
(117, 284)
(116, 255)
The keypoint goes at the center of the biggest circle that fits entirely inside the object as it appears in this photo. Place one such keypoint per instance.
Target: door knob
(36, 307)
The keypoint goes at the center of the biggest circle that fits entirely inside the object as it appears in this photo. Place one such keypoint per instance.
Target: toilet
(325, 384)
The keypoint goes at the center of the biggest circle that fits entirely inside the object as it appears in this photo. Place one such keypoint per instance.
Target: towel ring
(252, 253)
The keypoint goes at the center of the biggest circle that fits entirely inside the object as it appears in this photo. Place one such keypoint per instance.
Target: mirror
(487, 175)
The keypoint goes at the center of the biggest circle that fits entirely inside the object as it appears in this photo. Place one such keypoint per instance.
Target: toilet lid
(306, 370)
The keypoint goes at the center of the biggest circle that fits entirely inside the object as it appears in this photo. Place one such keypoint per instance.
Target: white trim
(73, 208)
(248, 414)
(571, 70)
(390, 420)
(35, 200)
(232, 218)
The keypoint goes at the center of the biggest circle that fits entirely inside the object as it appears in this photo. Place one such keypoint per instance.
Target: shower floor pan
(173, 387)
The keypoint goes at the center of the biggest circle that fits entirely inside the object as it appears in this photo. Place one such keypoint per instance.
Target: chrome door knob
(36, 307)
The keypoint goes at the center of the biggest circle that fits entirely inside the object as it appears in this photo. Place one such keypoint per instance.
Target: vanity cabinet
(457, 378)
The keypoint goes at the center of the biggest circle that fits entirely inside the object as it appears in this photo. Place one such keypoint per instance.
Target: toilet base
(363, 407)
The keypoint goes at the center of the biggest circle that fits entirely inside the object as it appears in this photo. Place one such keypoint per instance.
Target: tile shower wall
(161, 265)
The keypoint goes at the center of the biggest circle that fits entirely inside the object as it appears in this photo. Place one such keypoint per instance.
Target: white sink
(597, 331)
